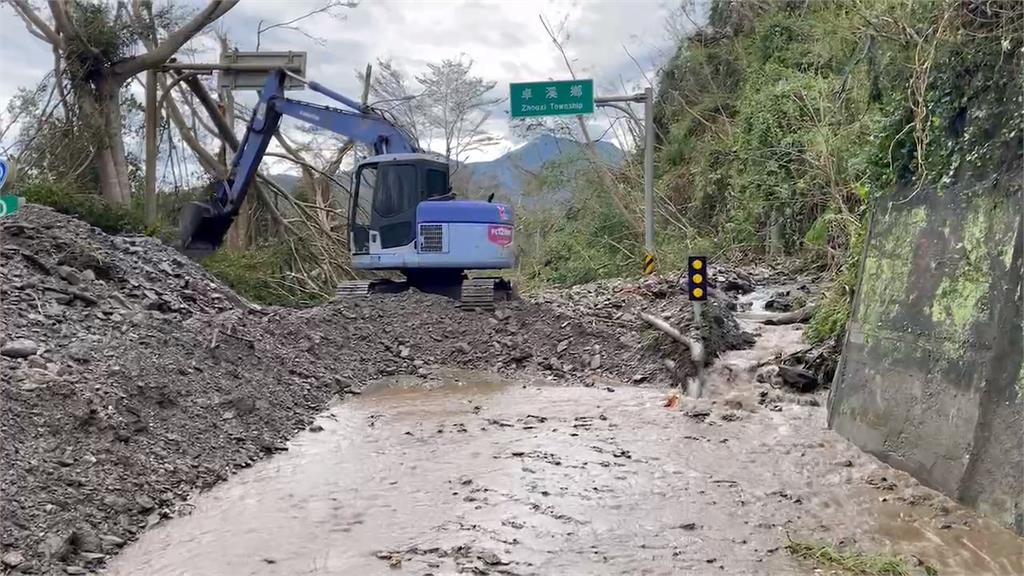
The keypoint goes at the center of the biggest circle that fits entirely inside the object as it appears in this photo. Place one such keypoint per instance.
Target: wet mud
(485, 475)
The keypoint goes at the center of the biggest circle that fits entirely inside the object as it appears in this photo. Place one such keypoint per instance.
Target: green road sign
(9, 205)
(553, 98)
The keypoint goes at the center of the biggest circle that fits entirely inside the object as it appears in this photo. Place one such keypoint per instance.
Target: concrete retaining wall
(932, 380)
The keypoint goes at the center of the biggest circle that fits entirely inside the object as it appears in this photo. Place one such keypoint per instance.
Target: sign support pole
(649, 170)
(647, 99)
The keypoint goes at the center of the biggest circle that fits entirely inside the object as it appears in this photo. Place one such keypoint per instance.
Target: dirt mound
(614, 307)
(130, 378)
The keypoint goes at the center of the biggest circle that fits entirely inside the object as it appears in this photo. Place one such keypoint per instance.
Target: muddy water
(482, 475)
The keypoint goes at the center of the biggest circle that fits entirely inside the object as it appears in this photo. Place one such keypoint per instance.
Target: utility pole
(152, 119)
(647, 99)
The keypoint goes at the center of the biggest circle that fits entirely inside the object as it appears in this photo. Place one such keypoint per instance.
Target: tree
(392, 92)
(94, 45)
(456, 104)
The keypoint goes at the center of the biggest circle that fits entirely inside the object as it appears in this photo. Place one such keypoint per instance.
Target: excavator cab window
(362, 205)
(396, 189)
(436, 182)
(386, 197)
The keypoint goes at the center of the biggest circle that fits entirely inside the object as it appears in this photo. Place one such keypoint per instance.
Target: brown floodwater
(478, 474)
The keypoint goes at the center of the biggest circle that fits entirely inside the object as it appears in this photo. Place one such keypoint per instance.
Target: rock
(13, 559)
(79, 352)
(56, 546)
(115, 502)
(111, 541)
(595, 361)
(85, 539)
(70, 275)
(88, 275)
(779, 303)
(75, 570)
(36, 362)
(463, 347)
(315, 428)
(799, 379)
(765, 374)
(92, 556)
(21, 348)
(243, 405)
(32, 379)
(404, 352)
(492, 559)
(562, 346)
(145, 503)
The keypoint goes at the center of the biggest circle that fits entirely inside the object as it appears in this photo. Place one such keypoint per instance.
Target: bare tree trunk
(110, 105)
(239, 233)
(109, 185)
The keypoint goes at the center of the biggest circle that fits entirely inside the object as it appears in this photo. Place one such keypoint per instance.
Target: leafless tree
(93, 46)
(456, 105)
(392, 91)
(619, 196)
(330, 8)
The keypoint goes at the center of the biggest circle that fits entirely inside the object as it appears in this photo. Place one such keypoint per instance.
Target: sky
(504, 38)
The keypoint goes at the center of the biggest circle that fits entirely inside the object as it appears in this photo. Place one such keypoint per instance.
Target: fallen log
(795, 317)
(695, 347)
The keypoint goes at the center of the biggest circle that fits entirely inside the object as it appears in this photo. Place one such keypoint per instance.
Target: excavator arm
(204, 225)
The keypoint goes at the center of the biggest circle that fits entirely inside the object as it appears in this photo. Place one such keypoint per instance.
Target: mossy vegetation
(780, 124)
(852, 562)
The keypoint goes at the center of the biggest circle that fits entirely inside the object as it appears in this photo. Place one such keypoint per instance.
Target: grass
(853, 562)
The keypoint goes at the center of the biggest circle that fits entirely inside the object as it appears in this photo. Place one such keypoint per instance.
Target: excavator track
(358, 288)
(477, 293)
(354, 288)
(482, 293)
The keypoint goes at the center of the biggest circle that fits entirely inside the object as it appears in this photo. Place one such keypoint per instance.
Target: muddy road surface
(484, 475)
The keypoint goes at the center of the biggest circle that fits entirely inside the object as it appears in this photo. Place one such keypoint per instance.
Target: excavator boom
(205, 225)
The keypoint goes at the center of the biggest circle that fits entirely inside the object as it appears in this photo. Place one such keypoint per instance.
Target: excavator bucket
(203, 228)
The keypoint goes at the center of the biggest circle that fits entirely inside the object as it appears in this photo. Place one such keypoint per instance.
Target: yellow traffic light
(695, 278)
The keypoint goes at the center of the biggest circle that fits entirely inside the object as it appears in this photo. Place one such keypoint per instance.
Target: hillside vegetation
(780, 122)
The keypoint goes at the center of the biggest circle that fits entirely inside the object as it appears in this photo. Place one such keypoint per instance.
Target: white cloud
(505, 40)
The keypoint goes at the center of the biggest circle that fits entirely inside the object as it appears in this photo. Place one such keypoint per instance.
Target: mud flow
(483, 475)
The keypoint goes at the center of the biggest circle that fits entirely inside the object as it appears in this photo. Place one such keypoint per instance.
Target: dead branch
(290, 24)
(695, 347)
(41, 29)
(164, 50)
(795, 317)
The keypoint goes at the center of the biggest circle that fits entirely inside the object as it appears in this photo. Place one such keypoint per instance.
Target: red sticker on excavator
(500, 235)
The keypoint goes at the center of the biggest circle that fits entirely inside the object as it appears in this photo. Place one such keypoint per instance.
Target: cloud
(504, 39)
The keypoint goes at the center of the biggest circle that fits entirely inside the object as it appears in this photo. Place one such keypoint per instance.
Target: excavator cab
(386, 192)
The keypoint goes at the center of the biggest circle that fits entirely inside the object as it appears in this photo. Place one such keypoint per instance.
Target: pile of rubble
(130, 378)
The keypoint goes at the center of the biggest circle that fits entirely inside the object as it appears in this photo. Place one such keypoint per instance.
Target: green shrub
(833, 313)
(67, 199)
(257, 273)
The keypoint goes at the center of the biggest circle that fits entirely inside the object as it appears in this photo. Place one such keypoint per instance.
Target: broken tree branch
(696, 349)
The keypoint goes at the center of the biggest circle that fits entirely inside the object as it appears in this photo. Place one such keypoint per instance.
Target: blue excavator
(403, 215)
